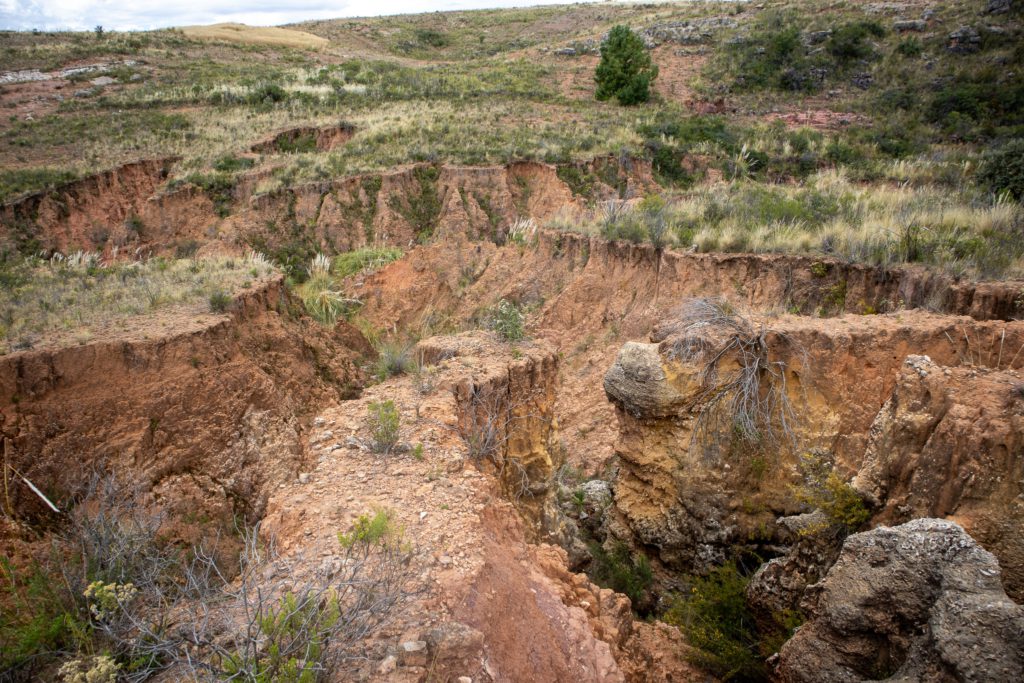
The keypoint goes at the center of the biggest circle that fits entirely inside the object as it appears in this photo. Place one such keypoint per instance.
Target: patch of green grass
(16, 182)
(364, 260)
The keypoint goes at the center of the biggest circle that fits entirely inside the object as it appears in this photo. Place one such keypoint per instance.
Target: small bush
(507, 320)
(268, 93)
(624, 572)
(849, 42)
(384, 425)
(715, 618)
(823, 489)
(369, 530)
(232, 164)
(220, 301)
(393, 358)
(422, 207)
(909, 47)
(625, 71)
(1002, 169)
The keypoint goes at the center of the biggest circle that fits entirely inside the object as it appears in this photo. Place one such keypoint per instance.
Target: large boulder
(949, 442)
(917, 602)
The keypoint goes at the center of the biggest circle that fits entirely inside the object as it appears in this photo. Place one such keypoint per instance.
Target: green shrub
(232, 164)
(823, 489)
(579, 179)
(384, 425)
(220, 187)
(393, 358)
(771, 57)
(220, 301)
(909, 47)
(1002, 169)
(303, 143)
(849, 42)
(422, 207)
(38, 617)
(715, 618)
(507, 320)
(431, 38)
(625, 71)
(368, 530)
(267, 93)
(622, 571)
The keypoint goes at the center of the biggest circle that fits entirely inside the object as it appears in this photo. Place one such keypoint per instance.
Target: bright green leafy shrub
(715, 618)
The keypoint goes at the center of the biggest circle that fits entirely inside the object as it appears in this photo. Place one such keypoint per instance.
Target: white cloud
(121, 15)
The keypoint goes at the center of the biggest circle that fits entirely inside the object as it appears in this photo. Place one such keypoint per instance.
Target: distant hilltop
(255, 35)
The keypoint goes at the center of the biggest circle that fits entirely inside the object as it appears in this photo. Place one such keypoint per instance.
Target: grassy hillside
(909, 95)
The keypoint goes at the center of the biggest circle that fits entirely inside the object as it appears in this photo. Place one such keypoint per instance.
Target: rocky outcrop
(917, 602)
(949, 442)
(207, 416)
(693, 502)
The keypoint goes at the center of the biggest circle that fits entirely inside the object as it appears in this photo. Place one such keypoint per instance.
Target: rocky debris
(486, 604)
(949, 442)
(103, 80)
(816, 37)
(999, 6)
(917, 602)
(863, 80)
(778, 585)
(904, 25)
(30, 75)
(691, 32)
(23, 76)
(964, 40)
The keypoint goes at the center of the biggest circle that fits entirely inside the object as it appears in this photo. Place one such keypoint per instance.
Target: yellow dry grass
(255, 35)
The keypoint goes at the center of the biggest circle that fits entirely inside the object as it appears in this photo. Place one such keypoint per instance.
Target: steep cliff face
(917, 602)
(206, 416)
(690, 503)
(132, 207)
(949, 443)
(85, 214)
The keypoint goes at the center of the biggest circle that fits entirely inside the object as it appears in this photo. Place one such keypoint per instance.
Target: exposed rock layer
(917, 602)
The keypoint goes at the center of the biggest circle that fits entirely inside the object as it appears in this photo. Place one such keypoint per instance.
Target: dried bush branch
(751, 401)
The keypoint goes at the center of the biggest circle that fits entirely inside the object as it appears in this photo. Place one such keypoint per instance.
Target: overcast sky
(126, 15)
